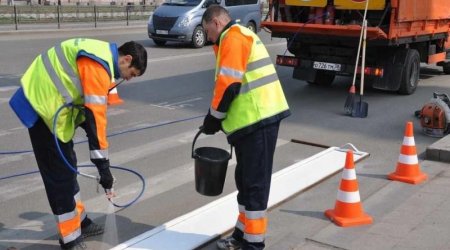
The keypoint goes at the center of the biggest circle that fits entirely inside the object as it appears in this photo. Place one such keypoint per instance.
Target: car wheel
(198, 37)
(159, 42)
(251, 26)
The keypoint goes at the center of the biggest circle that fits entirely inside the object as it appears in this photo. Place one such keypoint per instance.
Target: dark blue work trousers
(254, 156)
(60, 182)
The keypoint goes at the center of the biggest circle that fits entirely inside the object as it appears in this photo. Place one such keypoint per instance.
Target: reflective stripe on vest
(95, 99)
(68, 69)
(260, 96)
(258, 83)
(231, 72)
(55, 79)
(217, 114)
(52, 80)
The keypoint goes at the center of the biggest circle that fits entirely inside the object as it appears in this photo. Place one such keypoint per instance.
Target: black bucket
(210, 168)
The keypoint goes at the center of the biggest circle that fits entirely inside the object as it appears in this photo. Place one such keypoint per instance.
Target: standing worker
(79, 72)
(248, 104)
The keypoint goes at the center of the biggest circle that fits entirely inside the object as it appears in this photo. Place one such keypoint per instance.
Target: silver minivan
(180, 20)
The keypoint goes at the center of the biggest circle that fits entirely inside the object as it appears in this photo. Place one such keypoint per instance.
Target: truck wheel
(198, 37)
(411, 73)
(446, 68)
(323, 78)
(294, 47)
(159, 42)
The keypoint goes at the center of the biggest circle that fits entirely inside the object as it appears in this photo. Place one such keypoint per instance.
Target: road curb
(440, 150)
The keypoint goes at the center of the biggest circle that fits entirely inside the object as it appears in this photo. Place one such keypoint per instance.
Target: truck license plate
(327, 66)
(162, 32)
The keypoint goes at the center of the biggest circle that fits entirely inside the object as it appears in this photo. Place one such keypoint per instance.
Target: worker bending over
(78, 73)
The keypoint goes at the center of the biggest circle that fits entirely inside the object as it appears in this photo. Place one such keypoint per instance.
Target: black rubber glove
(106, 178)
(211, 125)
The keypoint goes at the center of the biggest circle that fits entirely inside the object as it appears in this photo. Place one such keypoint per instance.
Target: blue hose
(15, 152)
(86, 175)
(73, 169)
(84, 166)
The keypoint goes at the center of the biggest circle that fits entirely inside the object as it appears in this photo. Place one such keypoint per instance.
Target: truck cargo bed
(286, 29)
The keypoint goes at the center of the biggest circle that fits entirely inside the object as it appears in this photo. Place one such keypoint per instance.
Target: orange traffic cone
(348, 210)
(408, 169)
(113, 96)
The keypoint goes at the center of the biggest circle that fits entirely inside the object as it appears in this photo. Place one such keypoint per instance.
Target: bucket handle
(195, 139)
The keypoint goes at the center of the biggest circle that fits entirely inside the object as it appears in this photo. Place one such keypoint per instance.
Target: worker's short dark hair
(213, 11)
(138, 52)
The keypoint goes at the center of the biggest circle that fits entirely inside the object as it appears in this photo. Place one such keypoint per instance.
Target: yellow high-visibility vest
(261, 95)
(52, 80)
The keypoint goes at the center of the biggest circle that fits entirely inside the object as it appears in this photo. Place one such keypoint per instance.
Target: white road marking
(176, 105)
(11, 158)
(4, 100)
(8, 88)
(116, 111)
(34, 229)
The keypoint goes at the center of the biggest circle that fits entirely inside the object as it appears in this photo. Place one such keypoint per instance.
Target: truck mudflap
(331, 30)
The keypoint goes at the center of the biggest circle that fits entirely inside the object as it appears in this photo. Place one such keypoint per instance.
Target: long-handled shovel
(361, 108)
(350, 101)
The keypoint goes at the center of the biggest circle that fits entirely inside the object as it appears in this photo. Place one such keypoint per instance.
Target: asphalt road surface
(178, 85)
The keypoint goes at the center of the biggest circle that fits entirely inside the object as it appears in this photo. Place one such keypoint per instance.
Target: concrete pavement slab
(405, 217)
(440, 150)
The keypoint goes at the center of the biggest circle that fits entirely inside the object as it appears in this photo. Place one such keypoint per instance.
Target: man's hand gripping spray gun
(109, 192)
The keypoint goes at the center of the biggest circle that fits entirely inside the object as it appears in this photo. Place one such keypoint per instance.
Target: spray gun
(109, 192)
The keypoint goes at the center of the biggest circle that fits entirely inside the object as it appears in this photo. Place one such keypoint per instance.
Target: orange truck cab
(323, 38)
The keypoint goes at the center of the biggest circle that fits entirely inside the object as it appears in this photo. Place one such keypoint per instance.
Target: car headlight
(185, 22)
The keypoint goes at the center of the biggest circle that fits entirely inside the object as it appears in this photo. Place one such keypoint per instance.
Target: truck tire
(159, 42)
(411, 73)
(323, 78)
(446, 68)
(198, 37)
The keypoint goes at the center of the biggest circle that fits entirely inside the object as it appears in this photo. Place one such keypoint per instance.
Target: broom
(349, 102)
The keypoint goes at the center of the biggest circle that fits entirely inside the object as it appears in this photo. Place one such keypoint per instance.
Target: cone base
(408, 179)
(364, 219)
(113, 101)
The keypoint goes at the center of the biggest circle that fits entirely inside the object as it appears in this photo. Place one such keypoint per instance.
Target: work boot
(229, 243)
(91, 230)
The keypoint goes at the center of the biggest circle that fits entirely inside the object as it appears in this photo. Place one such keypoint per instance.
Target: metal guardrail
(59, 14)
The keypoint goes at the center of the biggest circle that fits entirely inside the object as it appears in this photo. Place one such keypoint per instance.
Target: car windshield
(182, 2)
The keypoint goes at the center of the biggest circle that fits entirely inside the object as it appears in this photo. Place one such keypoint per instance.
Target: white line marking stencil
(202, 225)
